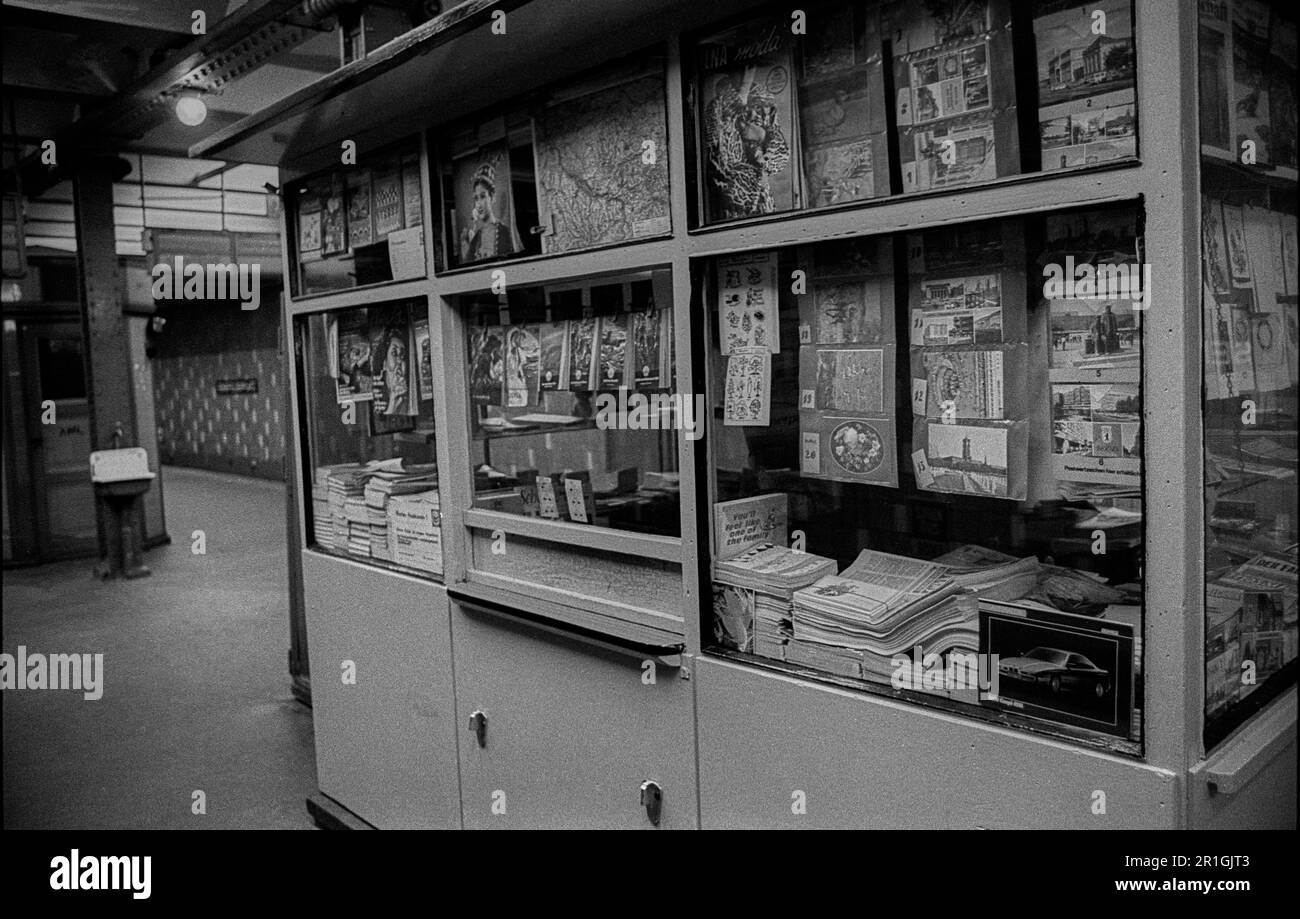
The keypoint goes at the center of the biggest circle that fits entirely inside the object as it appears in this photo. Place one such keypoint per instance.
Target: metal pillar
(104, 328)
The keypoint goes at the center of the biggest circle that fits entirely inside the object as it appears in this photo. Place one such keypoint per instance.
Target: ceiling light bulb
(190, 110)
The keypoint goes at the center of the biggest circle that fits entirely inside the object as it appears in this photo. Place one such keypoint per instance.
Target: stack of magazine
(760, 583)
(379, 488)
(882, 605)
(329, 535)
(990, 574)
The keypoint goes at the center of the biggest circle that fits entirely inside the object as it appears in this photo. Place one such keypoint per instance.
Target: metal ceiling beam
(424, 38)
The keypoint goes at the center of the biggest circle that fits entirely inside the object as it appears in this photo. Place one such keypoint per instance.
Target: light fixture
(191, 110)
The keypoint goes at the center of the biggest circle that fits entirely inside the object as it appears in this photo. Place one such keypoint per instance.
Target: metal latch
(652, 799)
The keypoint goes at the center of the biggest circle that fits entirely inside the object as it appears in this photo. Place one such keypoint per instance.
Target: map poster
(553, 341)
(602, 166)
(748, 522)
(484, 218)
(486, 365)
(843, 448)
(747, 302)
(361, 231)
(986, 460)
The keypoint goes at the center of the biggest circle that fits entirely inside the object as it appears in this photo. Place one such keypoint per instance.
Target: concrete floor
(195, 686)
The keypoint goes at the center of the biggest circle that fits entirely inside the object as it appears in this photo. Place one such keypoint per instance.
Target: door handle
(478, 724)
(652, 799)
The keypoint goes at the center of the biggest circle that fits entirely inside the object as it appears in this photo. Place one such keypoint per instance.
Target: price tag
(808, 398)
(811, 454)
(919, 388)
(921, 468)
(805, 334)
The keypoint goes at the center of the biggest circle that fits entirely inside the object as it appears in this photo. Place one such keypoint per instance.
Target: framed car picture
(1060, 667)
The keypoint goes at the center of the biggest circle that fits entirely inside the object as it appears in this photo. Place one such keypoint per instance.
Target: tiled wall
(201, 344)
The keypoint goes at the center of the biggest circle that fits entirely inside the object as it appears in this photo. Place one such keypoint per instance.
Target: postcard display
(1249, 303)
(374, 476)
(359, 225)
(955, 95)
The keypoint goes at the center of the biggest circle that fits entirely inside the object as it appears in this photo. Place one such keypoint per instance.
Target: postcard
(845, 312)
(852, 381)
(987, 461)
(748, 388)
(522, 357)
(965, 384)
(581, 371)
(386, 202)
(361, 231)
(848, 449)
(1094, 341)
(613, 351)
(353, 376)
(484, 218)
(486, 365)
(747, 302)
(553, 341)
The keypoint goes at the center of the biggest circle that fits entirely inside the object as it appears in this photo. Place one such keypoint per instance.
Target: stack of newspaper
(880, 606)
(380, 488)
(762, 582)
(990, 574)
(415, 530)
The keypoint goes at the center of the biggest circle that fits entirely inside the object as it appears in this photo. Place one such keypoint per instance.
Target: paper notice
(406, 253)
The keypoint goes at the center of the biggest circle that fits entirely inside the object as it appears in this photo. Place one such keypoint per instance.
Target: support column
(105, 332)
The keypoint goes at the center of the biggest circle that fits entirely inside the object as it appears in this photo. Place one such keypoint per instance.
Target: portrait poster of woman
(390, 354)
(485, 214)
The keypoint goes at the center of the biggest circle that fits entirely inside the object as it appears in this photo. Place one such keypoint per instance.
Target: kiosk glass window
(927, 454)
(366, 390)
(574, 413)
(1248, 303)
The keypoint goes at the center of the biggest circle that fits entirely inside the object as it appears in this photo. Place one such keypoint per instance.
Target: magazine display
(845, 147)
(955, 92)
(748, 128)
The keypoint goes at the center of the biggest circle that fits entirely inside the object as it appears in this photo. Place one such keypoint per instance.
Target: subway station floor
(195, 678)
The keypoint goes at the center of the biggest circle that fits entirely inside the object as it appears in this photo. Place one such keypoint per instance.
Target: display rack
(548, 684)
